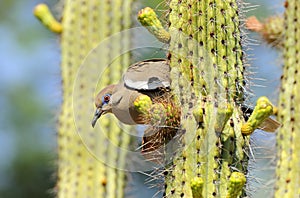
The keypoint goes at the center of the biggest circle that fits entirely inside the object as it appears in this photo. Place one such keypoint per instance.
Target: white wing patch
(148, 75)
(152, 84)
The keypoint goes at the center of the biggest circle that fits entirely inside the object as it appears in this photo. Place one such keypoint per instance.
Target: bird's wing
(148, 75)
(269, 125)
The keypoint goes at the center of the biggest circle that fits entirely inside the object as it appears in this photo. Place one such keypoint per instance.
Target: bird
(149, 77)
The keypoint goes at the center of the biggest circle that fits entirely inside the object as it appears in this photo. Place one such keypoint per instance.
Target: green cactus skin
(148, 18)
(236, 183)
(288, 137)
(85, 24)
(263, 109)
(43, 13)
(197, 187)
(207, 70)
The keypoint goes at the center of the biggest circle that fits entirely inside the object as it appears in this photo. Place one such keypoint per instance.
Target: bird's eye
(106, 98)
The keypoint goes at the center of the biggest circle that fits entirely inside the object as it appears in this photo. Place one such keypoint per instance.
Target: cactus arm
(261, 112)
(43, 13)
(148, 18)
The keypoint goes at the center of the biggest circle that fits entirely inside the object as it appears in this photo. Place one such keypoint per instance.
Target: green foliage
(30, 176)
(32, 164)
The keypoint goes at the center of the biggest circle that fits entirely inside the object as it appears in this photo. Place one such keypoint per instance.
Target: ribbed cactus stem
(288, 137)
(207, 71)
(87, 168)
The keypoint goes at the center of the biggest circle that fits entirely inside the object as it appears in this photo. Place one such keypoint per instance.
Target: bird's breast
(123, 107)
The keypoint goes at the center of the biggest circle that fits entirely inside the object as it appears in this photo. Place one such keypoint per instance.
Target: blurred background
(30, 95)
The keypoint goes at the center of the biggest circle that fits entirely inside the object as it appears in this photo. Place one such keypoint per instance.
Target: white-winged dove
(151, 78)
(146, 77)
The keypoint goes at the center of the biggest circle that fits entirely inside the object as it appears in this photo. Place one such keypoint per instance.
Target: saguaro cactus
(86, 23)
(288, 137)
(207, 73)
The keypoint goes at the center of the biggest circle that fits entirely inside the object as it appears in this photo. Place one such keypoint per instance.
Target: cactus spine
(85, 24)
(207, 69)
(288, 138)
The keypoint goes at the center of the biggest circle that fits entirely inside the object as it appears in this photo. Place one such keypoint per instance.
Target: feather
(270, 125)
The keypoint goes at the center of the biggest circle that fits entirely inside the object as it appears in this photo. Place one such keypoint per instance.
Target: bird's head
(103, 103)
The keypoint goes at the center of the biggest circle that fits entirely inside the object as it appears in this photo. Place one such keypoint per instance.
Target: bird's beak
(97, 115)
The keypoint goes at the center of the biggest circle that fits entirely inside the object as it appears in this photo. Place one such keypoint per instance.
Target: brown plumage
(146, 77)
(151, 78)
